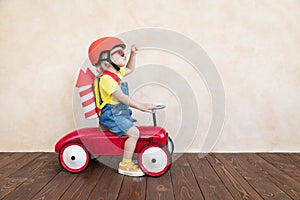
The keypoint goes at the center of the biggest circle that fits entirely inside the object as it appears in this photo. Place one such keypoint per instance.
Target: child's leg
(127, 167)
(133, 135)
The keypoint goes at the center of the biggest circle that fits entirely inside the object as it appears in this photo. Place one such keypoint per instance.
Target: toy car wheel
(170, 145)
(154, 159)
(74, 157)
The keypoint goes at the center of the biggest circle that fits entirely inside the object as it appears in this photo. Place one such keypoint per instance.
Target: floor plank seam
(146, 184)
(201, 190)
(244, 178)
(172, 184)
(283, 172)
(46, 183)
(91, 192)
(68, 187)
(276, 178)
(219, 177)
(27, 178)
(172, 180)
(120, 187)
(265, 175)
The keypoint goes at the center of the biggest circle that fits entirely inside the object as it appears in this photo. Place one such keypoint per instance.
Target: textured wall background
(254, 45)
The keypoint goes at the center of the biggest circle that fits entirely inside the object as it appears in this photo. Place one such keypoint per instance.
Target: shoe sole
(130, 173)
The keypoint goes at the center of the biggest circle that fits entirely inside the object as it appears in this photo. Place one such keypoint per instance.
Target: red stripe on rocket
(85, 83)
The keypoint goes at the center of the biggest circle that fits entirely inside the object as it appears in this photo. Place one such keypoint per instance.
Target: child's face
(117, 55)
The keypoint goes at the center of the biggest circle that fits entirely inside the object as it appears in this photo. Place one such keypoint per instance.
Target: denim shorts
(117, 118)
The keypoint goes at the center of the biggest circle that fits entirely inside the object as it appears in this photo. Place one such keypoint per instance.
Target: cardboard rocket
(84, 84)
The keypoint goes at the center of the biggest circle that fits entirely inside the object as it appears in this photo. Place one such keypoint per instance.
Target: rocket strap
(99, 102)
(113, 75)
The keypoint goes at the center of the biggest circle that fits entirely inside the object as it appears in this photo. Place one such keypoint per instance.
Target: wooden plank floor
(217, 176)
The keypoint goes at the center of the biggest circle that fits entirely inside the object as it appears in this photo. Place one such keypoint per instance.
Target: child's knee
(133, 132)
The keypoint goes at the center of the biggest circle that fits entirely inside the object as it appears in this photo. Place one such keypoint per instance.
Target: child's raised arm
(131, 62)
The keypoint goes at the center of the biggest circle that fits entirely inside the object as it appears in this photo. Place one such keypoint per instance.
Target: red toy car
(154, 147)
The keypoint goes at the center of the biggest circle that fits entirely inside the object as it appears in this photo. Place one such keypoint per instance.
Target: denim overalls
(117, 118)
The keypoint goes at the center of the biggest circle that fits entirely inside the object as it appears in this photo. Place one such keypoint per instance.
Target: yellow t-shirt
(108, 85)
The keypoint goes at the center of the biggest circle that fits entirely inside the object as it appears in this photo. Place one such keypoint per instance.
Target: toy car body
(154, 148)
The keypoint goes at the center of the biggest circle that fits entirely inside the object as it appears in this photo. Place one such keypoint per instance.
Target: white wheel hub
(74, 157)
(154, 159)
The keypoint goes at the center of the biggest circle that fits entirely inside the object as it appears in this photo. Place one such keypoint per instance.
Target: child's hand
(145, 107)
(133, 49)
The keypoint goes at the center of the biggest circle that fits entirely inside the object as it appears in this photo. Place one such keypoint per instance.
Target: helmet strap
(114, 65)
(109, 60)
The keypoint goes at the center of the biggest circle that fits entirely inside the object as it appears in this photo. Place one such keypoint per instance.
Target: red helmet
(103, 45)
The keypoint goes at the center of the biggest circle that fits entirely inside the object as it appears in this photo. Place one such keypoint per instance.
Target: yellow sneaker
(130, 169)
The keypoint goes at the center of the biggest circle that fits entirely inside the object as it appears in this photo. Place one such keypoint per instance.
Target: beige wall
(254, 45)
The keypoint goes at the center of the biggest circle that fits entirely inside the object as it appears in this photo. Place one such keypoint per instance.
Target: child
(107, 54)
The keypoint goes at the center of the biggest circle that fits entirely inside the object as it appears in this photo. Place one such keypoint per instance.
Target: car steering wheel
(158, 107)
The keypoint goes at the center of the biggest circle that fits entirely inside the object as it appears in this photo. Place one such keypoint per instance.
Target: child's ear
(105, 65)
